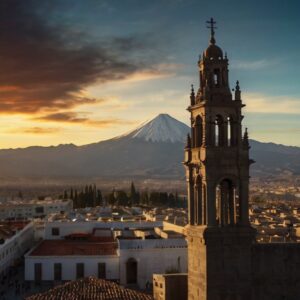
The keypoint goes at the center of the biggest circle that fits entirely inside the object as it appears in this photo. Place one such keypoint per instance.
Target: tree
(98, 201)
(134, 196)
(20, 195)
(144, 198)
(171, 200)
(122, 198)
(72, 194)
(66, 195)
(110, 198)
(75, 200)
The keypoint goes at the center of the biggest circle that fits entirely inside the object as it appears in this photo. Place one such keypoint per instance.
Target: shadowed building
(224, 263)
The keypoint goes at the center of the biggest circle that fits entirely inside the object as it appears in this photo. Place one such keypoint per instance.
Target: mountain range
(153, 150)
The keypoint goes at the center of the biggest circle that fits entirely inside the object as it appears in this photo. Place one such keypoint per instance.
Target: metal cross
(211, 26)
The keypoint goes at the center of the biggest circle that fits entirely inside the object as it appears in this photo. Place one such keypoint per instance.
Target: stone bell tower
(217, 173)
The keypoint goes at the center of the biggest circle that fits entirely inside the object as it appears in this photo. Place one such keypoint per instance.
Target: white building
(15, 239)
(34, 208)
(140, 259)
(128, 252)
(72, 259)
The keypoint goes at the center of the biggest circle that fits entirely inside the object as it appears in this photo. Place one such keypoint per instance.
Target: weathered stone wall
(170, 286)
(219, 263)
(276, 271)
(196, 263)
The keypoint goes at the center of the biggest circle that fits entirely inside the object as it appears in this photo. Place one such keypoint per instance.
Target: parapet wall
(276, 271)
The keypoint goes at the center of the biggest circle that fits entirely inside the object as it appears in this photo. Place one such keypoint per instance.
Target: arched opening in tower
(219, 133)
(216, 77)
(198, 202)
(229, 131)
(227, 203)
(198, 132)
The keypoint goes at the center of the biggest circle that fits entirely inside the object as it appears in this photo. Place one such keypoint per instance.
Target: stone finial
(246, 138)
(188, 141)
(192, 97)
(237, 95)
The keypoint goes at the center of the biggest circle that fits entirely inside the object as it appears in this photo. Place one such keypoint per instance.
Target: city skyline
(91, 70)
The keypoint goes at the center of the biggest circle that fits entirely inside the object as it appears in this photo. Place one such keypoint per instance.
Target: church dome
(213, 51)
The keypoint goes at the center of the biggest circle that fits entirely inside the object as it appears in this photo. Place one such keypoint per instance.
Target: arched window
(193, 136)
(226, 203)
(219, 131)
(198, 201)
(229, 131)
(131, 271)
(216, 77)
(198, 132)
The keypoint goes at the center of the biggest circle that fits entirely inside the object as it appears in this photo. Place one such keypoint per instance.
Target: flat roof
(75, 248)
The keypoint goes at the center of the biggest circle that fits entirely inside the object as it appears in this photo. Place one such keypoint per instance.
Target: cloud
(252, 65)
(77, 118)
(47, 67)
(36, 130)
(261, 103)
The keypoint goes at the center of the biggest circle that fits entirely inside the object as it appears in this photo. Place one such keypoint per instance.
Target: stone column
(195, 204)
(191, 202)
(231, 206)
(204, 205)
(211, 204)
(244, 197)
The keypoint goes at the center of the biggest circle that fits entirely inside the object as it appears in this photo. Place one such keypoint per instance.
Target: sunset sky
(81, 71)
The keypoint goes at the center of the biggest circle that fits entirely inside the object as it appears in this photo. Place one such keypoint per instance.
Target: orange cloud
(36, 130)
(77, 118)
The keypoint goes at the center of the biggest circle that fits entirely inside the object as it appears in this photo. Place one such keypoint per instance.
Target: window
(57, 271)
(79, 270)
(37, 271)
(102, 270)
(39, 210)
(55, 231)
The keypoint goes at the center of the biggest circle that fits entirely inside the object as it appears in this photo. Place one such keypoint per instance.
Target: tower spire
(211, 25)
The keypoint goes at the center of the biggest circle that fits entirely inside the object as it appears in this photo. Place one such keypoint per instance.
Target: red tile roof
(92, 289)
(71, 247)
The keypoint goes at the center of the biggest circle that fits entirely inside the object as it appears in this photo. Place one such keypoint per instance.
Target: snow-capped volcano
(162, 128)
(153, 150)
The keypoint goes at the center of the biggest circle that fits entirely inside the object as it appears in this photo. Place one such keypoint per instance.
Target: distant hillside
(154, 150)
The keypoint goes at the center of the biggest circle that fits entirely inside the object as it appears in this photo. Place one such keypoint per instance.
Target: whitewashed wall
(14, 247)
(69, 266)
(152, 256)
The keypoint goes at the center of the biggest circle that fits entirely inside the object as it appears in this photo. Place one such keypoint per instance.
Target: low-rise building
(21, 209)
(75, 257)
(127, 252)
(16, 237)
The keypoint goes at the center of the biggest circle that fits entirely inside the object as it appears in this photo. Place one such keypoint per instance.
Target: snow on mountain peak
(162, 128)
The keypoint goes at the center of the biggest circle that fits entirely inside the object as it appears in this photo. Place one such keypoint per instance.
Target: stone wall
(170, 286)
(276, 271)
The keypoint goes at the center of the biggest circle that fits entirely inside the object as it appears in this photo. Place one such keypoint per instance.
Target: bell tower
(217, 173)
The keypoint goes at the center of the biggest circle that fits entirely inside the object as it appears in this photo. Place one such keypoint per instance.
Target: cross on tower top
(212, 28)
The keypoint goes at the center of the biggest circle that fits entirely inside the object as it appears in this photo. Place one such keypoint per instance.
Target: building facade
(16, 237)
(126, 252)
(34, 208)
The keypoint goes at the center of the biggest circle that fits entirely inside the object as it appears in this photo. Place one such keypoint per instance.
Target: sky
(82, 71)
